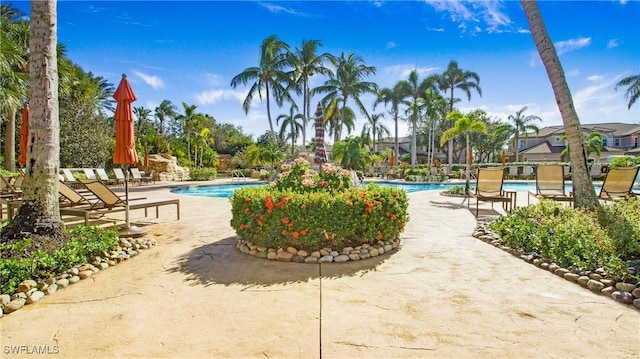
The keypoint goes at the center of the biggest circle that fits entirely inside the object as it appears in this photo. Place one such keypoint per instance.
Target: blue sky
(189, 51)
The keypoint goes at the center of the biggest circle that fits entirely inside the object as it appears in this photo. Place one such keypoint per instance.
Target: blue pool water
(226, 190)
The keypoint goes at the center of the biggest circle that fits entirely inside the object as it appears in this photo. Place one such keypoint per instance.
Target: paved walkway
(444, 294)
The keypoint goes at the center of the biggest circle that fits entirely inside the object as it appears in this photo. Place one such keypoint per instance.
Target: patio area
(442, 294)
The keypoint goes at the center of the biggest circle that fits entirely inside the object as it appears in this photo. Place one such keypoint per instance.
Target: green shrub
(457, 190)
(202, 174)
(312, 210)
(84, 243)
(575, 237)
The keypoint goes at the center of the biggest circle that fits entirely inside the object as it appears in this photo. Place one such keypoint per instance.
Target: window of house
(616, 142)
(604, 141)
(523, 144)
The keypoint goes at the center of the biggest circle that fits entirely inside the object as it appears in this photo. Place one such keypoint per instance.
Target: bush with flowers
(310, 210)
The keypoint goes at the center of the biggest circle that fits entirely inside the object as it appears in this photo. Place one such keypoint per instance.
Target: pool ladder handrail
(237, 174)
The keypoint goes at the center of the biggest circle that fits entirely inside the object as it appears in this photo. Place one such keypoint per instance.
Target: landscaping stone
(636, 303)
(595, 286)
(36, 296)
(4, 299)
(341, 258)
(63, 282)
(85, 274)
(74, 279)
(625, 287)
(284, 256)
(14, 305)
(607, 291)
(623, 297)
(571, 277)
(26, 285)
(583, 280)
(51, 289)
(636, 293)
(326, 259)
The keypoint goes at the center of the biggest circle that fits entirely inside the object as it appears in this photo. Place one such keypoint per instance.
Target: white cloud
(277, 8)
(213, 79)
(600, 92)
(154, 81)
(488, 14)
(595, 78)
(435, 29)
(390, 75)
(212, 96)
(572, 44)
(613, 43)
(391, 45)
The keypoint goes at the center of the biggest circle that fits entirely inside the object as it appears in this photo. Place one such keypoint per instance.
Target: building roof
(615, 129)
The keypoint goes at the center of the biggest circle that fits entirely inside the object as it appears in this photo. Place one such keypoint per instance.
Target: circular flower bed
(310, 210)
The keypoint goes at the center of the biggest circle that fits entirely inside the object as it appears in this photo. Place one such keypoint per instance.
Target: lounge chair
(135, 172)
(618, 183)
(489, 189)
(107, 200)
(104, 177)
(8, 188)
(513, 171)
(550, 184)
(70, 179)
(595, 171)
(69, 197)
(89, 173)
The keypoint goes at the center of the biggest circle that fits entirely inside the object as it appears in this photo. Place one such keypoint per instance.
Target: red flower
(295, 234)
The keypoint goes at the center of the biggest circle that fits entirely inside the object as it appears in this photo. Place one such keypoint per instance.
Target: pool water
(226, 190)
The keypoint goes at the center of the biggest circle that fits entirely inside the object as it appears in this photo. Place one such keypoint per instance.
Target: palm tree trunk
(306, 114)
(39, 215)
(10, 142)
(273, 133)
(396, 145)
(585, 195)
(468, 166)
(414, 153)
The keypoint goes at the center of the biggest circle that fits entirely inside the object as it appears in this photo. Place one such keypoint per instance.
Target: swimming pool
(226, 190)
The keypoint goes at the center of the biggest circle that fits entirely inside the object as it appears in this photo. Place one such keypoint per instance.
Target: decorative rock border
(30, 291)
(596, 281)
(324, 255)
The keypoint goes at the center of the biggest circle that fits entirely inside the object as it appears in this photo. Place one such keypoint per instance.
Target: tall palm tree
(396, 96)
(416, 91)
(585, 194)
(435, 111)
(464, 125)
(633, 91)
(454, 78)
(349, 153)
(522, 126)
(341, 117)
(346, 82)
(307, 63)
(376, 128)
(593, 144)
(165, 111)
(40, 187)
(269, 75)
(290, 122)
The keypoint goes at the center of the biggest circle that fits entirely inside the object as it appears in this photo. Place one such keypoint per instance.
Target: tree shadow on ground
(222, 263)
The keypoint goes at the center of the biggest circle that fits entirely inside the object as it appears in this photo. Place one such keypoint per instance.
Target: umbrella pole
(129, 230)
(126, 197)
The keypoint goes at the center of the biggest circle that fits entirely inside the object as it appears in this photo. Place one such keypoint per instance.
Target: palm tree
(633, 91)
(464, 125)
(269, 75)
(165, 111)
(593, 144)
(346, 82)
(435, 106)
(396, 97)
(521, 126)
(40, 187)
(349, 153)
(14, 73)
(375, 128)
(454, 78)
(416, 91)
(289, 122)
(307, 63)
(585, 194)
(341, 117)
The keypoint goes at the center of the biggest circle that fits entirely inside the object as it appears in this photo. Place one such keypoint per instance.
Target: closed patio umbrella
(24, 136)
(504, 158)
(125, 152)
(320, 156)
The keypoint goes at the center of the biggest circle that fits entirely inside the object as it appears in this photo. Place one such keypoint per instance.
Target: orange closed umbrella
(125, 151)
(24, 136)
(504, 158)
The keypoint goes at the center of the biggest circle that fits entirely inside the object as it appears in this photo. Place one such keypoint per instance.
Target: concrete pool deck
(444, 294)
